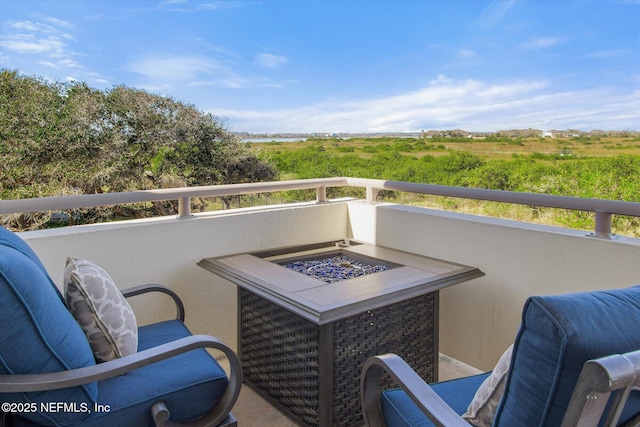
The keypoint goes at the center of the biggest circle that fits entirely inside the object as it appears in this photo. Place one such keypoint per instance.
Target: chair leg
(161, 414)
(230, 421)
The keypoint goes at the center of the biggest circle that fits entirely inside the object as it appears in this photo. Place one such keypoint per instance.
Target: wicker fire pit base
(313, 371)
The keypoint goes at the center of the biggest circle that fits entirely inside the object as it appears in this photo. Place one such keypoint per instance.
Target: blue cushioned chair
(575, 361)
(48, 374)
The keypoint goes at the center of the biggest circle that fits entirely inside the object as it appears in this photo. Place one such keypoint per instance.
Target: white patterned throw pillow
(482, 408)
(101, 310)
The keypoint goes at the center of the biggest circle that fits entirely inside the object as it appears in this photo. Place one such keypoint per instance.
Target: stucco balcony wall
(478, 319)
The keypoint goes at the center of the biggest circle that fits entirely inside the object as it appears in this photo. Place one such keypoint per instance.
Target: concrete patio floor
(253, 410)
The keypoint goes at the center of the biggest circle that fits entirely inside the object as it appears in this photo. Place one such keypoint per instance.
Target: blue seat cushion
(189, 384)
(400, 411)
(38, 334)
(557, 336)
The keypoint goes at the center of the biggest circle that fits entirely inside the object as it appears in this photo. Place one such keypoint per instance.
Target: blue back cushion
(12, 240)
(38, 334)
(557, 336)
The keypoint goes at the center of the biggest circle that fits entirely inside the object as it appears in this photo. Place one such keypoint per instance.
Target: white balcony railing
(603, 209)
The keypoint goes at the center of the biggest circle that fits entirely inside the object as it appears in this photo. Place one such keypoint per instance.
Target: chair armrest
(143, 289)
(77, 377)
(597, 380)
(419, 391)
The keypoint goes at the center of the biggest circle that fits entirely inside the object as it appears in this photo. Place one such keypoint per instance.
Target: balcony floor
(252, 410)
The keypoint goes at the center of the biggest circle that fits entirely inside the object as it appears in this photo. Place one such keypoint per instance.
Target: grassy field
(488, 149)
(565, 166)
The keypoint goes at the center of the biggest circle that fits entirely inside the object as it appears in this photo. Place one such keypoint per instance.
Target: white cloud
(540, 42)
(32, 39)
(606, 53)
(440, 79)
(466, 53)
(29, 44)
(37, 38)
(219, 5)
(493, 13)
(175, 68)
(234, 81)
(69, 63)
(59, 22)
(470, 104)
(269, 60)
(169, 73)
(25, 26)
(183, 6)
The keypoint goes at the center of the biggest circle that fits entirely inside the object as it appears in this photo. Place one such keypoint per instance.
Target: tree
(61, 139)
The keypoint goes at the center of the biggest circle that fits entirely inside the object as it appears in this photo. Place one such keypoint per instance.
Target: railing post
(372, 194)
(184, 207)
(321, 194)
(603, 225)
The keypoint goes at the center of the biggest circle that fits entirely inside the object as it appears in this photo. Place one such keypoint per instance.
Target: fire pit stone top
(335, 268)
(405, 275)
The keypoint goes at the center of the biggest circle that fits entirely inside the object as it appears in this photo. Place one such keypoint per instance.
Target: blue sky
(348, 66)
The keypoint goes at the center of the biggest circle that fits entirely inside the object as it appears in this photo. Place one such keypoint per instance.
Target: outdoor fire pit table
(310, 316)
